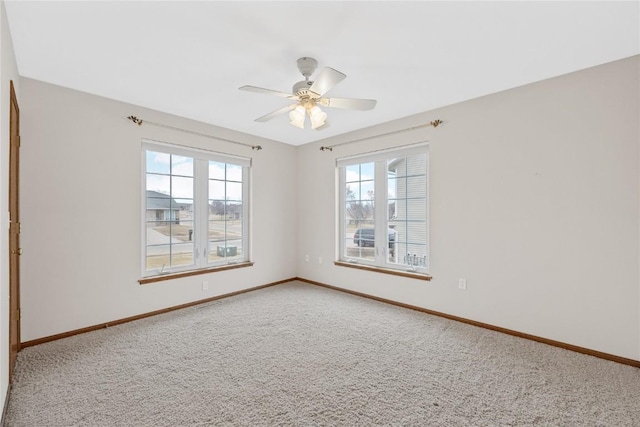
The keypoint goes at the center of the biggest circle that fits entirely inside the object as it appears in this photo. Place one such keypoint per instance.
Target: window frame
(201, 242)
(380, 261)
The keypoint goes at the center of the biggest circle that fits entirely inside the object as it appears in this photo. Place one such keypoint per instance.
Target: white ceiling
(189, 58)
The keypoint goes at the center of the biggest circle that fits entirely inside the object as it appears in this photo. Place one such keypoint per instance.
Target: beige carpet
(300, 355)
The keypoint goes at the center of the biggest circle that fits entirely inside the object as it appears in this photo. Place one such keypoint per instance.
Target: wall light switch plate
(205, 285)
(306, 258)
(462, 284)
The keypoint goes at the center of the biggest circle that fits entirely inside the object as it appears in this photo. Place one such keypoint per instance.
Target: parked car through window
(364, 237)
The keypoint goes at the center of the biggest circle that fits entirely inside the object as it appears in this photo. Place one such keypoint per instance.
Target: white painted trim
(377, 155)
(184, 150)
(380, 158)
(201, 247)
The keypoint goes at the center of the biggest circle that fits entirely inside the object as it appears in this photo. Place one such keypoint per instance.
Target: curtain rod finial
(135, 120)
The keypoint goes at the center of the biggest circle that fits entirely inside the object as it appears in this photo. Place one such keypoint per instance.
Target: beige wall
(81, 202)
(534, 200)
(8, 72)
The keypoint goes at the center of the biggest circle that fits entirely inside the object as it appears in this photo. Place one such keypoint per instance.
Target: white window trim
(201, 158)
(380, 187)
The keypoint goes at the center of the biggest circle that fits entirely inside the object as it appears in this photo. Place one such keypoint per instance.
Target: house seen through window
(384, 209)
(196, 209)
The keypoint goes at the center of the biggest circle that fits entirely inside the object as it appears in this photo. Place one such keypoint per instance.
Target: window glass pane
(399, 210)
(186, 210)
(367, 171)
(182, 187)
(154, 232)
(216, 190)
(360, 240)
(158, 162)
(416, 232)
(400, 253)
(216, 209)
(181, 254)
(349, 243)
(391, 209)
(397, 166)
(225, 236)
(352, 173)
(181, 165)
(392, 238)
(234, 172)
(352, 191)
(416, 187)
(367, 190)
(158, 257)
(217, 230)
(417, 164)
(225, 250)
(401, 232)
(159, 202)
(216, 170)
(234, 248)
(358, 213)
(182, 231)
(159, 183)
(233, 214)
(364, 236)
(234, 191)
(392, 187)
(416, 209)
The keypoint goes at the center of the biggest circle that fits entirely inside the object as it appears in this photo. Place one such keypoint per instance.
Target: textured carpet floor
(300, 355)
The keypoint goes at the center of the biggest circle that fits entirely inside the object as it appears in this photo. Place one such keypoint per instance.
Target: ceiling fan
(309, 96)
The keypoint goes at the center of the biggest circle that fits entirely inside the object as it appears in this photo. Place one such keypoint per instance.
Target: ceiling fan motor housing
(302, 88)
(307, 66)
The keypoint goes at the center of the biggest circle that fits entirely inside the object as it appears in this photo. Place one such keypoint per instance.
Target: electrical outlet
(205, 285)
(306, 258)
(462, 284)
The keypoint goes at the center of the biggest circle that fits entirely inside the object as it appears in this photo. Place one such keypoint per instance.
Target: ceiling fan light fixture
(317, 125)
(297, 116)
(317, 116)
(298, 123)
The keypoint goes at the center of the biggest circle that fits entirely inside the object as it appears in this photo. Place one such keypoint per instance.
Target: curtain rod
(139, 122)
(434, 123)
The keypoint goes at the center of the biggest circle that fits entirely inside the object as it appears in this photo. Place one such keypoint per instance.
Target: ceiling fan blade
(276, 113)
(349, 103)
(256, 89)
(326, 80)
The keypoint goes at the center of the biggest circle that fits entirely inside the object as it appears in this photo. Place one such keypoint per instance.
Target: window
(384, 209)
(195, 209)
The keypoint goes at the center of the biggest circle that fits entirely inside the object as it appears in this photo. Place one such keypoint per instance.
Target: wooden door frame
(14, 229)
